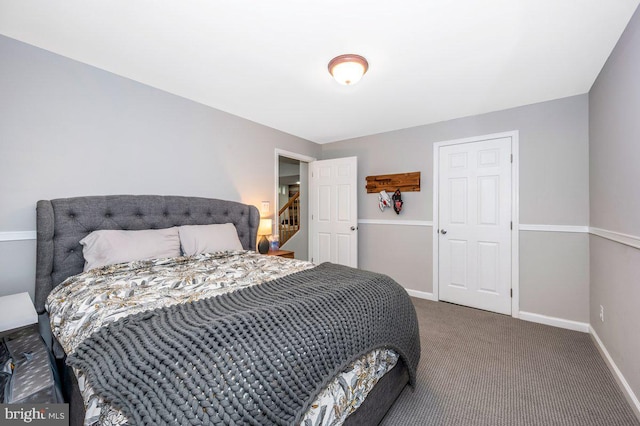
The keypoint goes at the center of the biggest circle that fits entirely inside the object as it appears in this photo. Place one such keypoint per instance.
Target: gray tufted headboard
(63, 222)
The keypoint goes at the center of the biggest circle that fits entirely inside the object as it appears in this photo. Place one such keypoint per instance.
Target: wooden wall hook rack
(405, 182)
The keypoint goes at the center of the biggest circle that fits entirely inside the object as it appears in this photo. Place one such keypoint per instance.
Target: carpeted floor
(479, 368)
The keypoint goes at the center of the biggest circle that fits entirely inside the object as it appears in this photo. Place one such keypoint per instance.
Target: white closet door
(474, 247)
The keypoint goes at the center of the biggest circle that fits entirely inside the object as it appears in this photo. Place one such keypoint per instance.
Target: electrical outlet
(601, 313)
(265, 207)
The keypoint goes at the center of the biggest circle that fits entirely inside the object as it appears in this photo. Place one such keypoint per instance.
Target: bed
(63, 223)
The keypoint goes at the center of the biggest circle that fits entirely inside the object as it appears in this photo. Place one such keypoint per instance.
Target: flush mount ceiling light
(348, 69)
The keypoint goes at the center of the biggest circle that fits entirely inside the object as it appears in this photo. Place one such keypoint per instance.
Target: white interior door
(474, 224)
(333, 205)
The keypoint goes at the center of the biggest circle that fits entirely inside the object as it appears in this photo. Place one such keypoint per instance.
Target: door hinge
(512, 293)
(511, 226)
(512, 158)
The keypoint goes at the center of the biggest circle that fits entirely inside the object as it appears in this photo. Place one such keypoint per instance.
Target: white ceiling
(266, 60)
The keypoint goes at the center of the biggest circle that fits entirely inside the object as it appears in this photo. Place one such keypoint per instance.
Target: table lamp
(264, 229)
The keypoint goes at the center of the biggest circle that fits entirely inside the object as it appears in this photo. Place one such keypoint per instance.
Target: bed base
(370, 413)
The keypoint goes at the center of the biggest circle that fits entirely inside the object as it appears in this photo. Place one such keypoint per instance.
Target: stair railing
(289, 219)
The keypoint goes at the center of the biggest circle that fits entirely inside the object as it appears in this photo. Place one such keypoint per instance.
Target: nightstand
(281, 253)
(17, 312)
(27, 375)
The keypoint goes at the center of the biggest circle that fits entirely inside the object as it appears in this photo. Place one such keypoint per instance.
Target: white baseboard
(617, 374)
(421, 294)
(556, 322)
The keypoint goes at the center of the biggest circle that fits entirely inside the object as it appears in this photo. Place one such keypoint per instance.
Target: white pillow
(197, 239)
(107, 247)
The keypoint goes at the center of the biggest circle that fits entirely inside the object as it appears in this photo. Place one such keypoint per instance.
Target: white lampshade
(348, 69)
(266, 226)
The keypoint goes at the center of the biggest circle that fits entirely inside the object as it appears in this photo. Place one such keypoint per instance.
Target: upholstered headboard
(63, 222)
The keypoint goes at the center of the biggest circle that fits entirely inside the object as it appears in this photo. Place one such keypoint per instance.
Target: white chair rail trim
(523, 227)
(554, 228)
(630, 240)
(395, 222)
(17, 236)
(627, 239)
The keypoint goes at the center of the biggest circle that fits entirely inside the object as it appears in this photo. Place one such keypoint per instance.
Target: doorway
(475, 238)
(291, 215)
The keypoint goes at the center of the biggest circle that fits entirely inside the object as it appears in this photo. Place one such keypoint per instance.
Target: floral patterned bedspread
(86, 302)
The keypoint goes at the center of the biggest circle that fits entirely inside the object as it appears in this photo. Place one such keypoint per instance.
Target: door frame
(515, 212)
(276, 184)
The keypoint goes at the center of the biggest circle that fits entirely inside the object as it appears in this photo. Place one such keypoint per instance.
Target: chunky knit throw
(256, 356)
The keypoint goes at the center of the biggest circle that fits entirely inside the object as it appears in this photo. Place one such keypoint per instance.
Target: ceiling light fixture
(348, 69)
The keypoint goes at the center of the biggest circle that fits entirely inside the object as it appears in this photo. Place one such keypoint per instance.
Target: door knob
(353, 228)
(443, 231)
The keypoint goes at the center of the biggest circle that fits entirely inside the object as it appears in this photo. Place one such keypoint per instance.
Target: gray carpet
(480, 368)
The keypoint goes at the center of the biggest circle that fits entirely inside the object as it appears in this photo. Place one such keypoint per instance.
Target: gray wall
(68, 129)
(614, 144)
(554, 190)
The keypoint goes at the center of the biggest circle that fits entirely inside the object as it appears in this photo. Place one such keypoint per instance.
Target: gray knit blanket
(259, 355)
